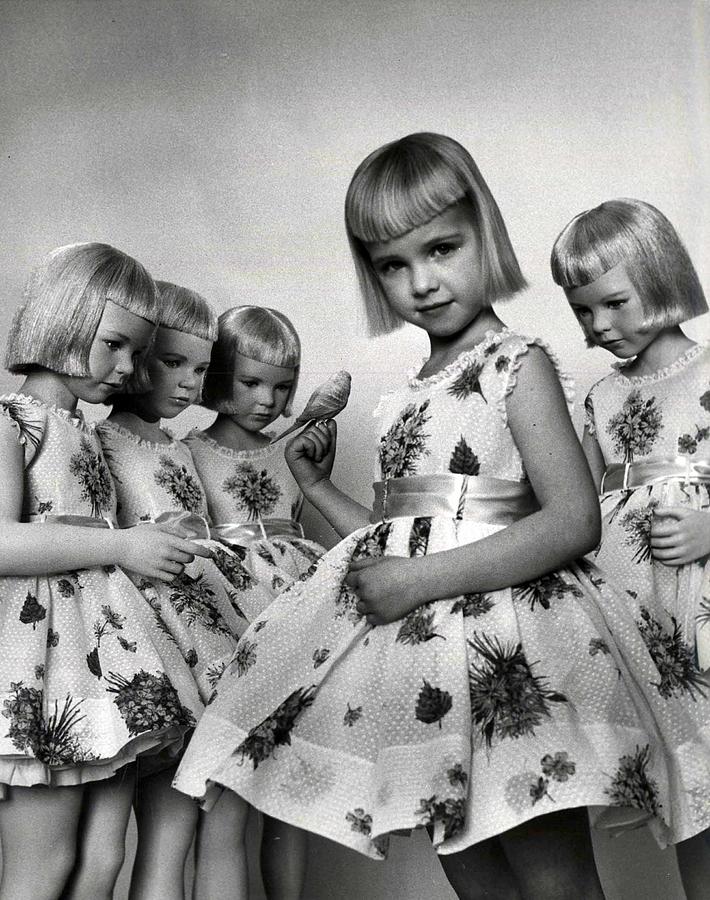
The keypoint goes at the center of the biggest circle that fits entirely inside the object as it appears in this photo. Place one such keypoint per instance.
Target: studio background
(215, 141)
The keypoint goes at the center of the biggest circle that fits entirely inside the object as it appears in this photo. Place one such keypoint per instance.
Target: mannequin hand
(679, 535)
(311, 453)
(388, 588)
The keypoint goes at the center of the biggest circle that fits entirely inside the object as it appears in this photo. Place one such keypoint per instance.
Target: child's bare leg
(283, 860)
(694, 865)
(101, 837)
(166, 821)
(38, 831)
(481, 871)
(552, 857)
(220, 852)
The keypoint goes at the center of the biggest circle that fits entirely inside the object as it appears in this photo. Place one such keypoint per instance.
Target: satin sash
(67, 519)
(496, 501)
(245, 533)
(191, 521)
(626, 476)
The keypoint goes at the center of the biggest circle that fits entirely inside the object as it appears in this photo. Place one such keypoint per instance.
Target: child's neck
(226, 432)
(142, 428)
(444, 350)
(49, 387)
(663, 351)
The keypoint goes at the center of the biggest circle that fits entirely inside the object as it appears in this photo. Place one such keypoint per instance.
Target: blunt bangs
(637, 235)
(186, 311)
(64, 300)
(256, 332)
(405, 184)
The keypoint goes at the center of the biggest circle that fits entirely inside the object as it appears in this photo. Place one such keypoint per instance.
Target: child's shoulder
(24, 420)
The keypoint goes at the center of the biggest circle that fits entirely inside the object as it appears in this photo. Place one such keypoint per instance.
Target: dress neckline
(463, 359)
(678, 364)
(257, 453)
(75, 418)
(137, 439)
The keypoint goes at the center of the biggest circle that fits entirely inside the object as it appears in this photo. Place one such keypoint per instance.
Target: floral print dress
(643, 419)
(470, 715)
(255, 488)
(87, 680)
(199, 610)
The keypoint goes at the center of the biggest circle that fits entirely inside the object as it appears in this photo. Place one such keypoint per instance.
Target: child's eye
(443, 249)
(171, 363)
(200, 370)
(248, 383)
(580, 312)
(389, 267)
(615, 304)
(112, 345)
(284, 388)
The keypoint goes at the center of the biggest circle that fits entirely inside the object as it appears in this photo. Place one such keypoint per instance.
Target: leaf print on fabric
(320, 656)
(94, 663)
(419, 536)
(463, 460)
(29, 428)
(177, 480)
(404, 442)
(688, 443)
(634, 430)
(457, 777)
(372, 544)
(418, 627)
(32, 611)
(128, 646)
(275, 730)
(191, 658)
(352, 715)
(148, 702)
(65, 588)
(473, 605)
(44, 506)
(94, 476)
(467, 383)
(254, 491)
(39, 672)
(192, 598)
(704, 401)
(450, 812)
(673, 658)
(212, 674)
(433, 703)
(345, 605)
(507, 699)
(360, 821)
(52, 637)
(502, 364)
(544, 589)
(112, 621)
(637, 525)
(538, 790)
(307, 550)
(51, 741)
(244, 657)
(597, 645)
(631, 784)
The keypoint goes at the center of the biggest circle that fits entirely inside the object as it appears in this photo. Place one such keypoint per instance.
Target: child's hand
(157, 551)
(310, 454)
(679, 535)
(386, 587)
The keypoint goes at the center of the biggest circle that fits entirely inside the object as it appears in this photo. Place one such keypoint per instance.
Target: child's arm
(595, 459)
(566, 527)
(680, 535)
(310, 458)
(28, 549)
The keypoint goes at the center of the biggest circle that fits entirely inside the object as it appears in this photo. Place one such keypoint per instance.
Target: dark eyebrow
(111, 332)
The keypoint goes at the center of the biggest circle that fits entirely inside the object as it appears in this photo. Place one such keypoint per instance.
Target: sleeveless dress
(255, 502)
(656, 420)
(87, 680)
(199, 608)
(470, 715)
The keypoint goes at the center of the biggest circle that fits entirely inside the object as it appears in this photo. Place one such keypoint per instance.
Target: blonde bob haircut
(256, 332)
(183, 310)
(405, 184)
(639, 236)
(64, 300)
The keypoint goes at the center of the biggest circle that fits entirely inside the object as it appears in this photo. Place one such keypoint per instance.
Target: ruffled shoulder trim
(265, 452)
(107, 426)
(513, 349)
(27, 419)
(684, 360)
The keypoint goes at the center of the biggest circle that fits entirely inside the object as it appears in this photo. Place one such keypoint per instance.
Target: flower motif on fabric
(418, 627)
(457, 777)
(53, 741)
(433, 704)
(597, 645)
(704, 401)
(232, 568)
(193, 598)
(372, 544)
(352, 715)
(688, 443)
(507, 699)
(360, 821)
(637, 525)
(419, 536)
(32, 611)
(451, 812)
(473, 605)
(634, 430)
(463, 460)
(180, 484)
(254, 491)
(94, 476)
(28, 426)
(320, 656)
(275, 730)
(128, 646)
(673, 658)
(404, 442)
(467, 382)
(545, 589)
(148, 702)
(554, 768)
(52, 637)
(502, 364)
(631, 784)
(212, 675)
(44, 506)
